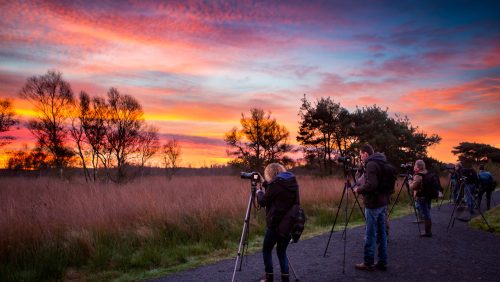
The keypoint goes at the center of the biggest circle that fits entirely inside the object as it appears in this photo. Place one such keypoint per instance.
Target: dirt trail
(462, 254)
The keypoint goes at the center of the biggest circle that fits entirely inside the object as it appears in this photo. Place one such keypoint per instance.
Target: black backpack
(387, 177)
(431, 185)
(293, 222)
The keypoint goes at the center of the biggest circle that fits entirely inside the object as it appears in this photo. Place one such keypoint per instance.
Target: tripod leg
(359, 205)
(350, 214)
(448, 189)
(397, 198)
(345, 229)
(291, 267)
(246, 229)
(412, 199)
(335, 220)
(484, 219)
(349, 219)
(245, 245)
(452, 217)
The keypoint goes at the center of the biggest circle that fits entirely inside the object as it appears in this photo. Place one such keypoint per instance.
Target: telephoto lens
(250, 175)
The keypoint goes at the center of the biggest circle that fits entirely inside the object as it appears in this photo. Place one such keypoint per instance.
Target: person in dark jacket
(375, 210)
(486, 185)
(423, 203)
(280, 195)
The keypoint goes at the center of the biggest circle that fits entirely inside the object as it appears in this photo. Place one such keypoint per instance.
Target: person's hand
(355, 189)
(259, 191)
(260, 177)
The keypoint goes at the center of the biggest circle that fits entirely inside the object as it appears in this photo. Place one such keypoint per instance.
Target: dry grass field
(49, 225)
(52, 229)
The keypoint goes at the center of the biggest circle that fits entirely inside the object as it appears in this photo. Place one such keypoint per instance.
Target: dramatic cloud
(196, 66)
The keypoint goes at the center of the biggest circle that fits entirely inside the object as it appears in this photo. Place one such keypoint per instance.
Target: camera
(250, 175)
(407, 166)
(344, 159)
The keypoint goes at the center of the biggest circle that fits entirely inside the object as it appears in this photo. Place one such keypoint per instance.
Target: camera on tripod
(345, 159)
(254, 176)
(407, 166)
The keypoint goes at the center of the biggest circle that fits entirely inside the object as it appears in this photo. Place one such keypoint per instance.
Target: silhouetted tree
(148, 145)
(77, 132)
(260, 141)
(25, 159)
(93, 117)
(469, 152)
(396, 137)
(52, 98)
(324, 130)
(7, 120)
(171, 156)
(123, 125)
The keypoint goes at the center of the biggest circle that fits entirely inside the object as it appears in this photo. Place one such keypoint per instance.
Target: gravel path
(462, 254)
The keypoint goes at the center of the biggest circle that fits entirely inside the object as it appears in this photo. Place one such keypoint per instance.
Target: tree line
(96, 133)
(327, 130)
(104, 135)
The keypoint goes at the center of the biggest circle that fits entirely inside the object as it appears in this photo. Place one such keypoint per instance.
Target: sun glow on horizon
(196, 68)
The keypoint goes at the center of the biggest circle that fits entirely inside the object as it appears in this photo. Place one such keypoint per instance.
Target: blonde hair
(272, 170)
(420, 164)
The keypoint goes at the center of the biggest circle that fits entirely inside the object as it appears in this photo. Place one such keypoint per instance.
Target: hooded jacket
(281, 194)
(372, 197)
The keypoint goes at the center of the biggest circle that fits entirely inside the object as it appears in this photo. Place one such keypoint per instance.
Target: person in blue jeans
(281, 194)
(375, 203)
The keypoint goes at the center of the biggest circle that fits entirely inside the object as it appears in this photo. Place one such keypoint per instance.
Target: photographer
(486, 185)
(281, 194)
(375, 210)
(422, 202)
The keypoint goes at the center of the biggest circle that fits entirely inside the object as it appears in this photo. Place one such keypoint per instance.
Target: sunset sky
(196, 66)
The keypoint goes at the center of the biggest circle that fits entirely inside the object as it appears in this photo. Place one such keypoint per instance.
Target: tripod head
(349, 169)
(254, 177)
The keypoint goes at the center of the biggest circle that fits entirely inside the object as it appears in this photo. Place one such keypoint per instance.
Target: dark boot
(428, 227)
(285, 277)
(269, 277)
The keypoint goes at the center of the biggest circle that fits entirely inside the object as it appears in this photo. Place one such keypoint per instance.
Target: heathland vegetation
(102, 216)
(53, 229)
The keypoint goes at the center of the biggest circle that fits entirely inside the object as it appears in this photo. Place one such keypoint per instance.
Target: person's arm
(371, 180)
(416, 183)
(264, 199)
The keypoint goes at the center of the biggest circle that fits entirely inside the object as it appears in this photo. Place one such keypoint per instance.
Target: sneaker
(381, 266)
(363, 266)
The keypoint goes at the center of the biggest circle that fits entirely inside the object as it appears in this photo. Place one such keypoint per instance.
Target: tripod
(345, 195)
(246, 228)
(463, 193)
(410, 196)
(447, 189)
